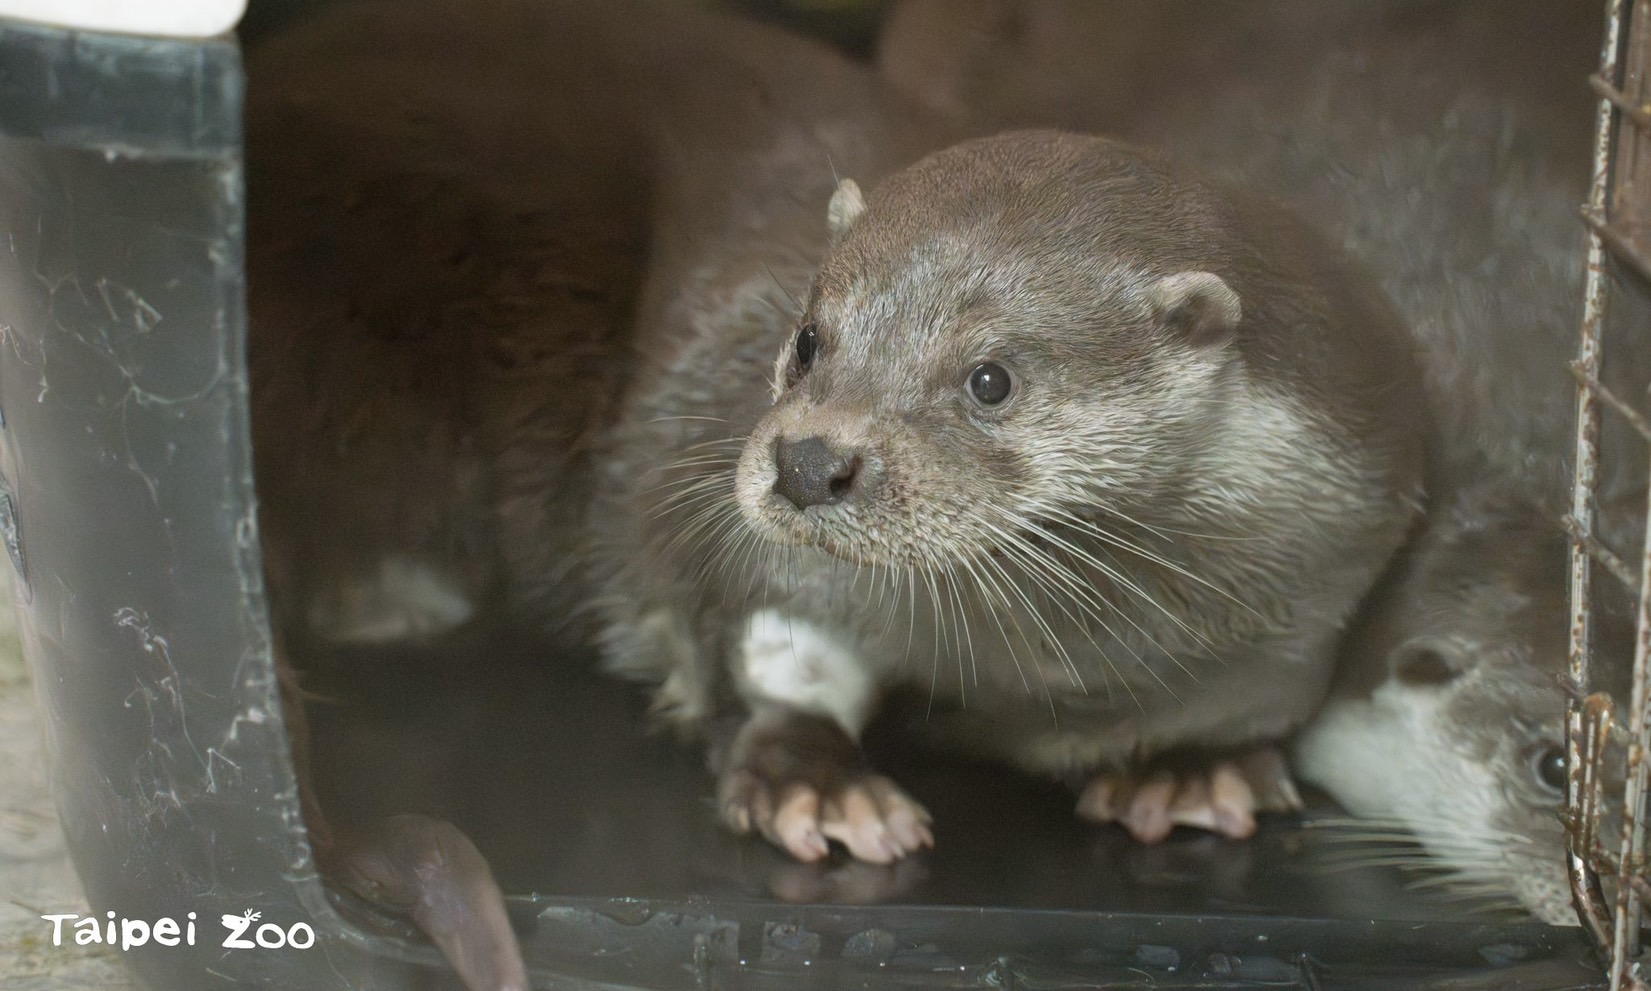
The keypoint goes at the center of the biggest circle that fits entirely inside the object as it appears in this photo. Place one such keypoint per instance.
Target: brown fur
(583, 321)
(1041, 247)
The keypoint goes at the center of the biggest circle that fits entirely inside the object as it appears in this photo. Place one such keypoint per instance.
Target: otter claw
(870, 815)
(1222, 798)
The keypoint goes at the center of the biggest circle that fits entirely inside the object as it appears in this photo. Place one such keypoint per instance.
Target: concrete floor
(36, 877)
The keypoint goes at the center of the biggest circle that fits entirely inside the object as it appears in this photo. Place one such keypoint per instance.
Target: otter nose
(809, 472)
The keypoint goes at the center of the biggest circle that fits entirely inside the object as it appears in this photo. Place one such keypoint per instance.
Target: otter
(1450, 684)
(1101, 455)
(1098, 453)
(1444, 147)
(448, 234)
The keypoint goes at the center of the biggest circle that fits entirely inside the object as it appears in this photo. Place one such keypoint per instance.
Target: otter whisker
(685, 496)
(735, 556)
(980, 583)
(1482, 835)
(693, 522)
(704, 459)
(723, 476)
(960, 612)
(980, 587)
(1200, 641)
(1016, 551)
(1117, 577)
(694, 499)
(989, 583)
(939, 636)
(687, 416)
(1459, 864)
(796, 304)
(723, 471)
(1044, 629)
(717, 536)
(692, 511)
(1089, 528)
(1092, 529)
(875, 575)
(911, 622)
(1161, 531)
(1344, 865)
(747, 546)
(955, 629)
(1094, 597)
(881, 587)
(902, 600)
(737, 443)
(1042, 568)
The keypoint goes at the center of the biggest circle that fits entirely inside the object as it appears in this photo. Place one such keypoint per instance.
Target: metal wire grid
(1618, 216)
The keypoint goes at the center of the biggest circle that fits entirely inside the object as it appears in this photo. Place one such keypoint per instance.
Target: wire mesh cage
(1607, 858)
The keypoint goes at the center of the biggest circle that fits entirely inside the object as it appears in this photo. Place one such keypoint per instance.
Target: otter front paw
(868, 814)
(800, 782)
(1221, 796)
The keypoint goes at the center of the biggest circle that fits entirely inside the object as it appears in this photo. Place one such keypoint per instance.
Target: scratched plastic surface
(127, 507)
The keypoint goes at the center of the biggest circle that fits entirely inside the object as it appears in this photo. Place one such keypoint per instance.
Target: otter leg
(794, 772)
(800, 781)
(1222, 795)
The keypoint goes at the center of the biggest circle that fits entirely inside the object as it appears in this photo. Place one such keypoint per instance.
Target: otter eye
(1548, 766)
(808, 345)
(989, 383)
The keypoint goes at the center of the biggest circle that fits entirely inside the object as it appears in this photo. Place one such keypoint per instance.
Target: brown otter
(448, 220)
(1101, 455)
(1447, 722)
(1443, 146)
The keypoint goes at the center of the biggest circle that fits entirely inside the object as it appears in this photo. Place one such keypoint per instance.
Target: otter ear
(1427, 662)
(1199, 304)
(847, 204)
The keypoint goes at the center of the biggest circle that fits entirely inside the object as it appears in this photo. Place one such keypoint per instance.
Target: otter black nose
(809, 472)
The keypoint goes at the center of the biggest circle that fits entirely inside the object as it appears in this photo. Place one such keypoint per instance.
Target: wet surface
(552, 771)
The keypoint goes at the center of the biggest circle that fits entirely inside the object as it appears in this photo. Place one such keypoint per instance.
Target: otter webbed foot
(800, 782)
(1222, 796)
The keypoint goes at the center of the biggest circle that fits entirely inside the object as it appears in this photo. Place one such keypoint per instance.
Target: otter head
(990, 347)
(1449, 725)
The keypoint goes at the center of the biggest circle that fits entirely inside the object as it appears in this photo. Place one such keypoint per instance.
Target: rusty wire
(1585, 885)
(1614, 214)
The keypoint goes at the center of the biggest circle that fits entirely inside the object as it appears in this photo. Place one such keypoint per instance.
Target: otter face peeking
(1449, 725)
